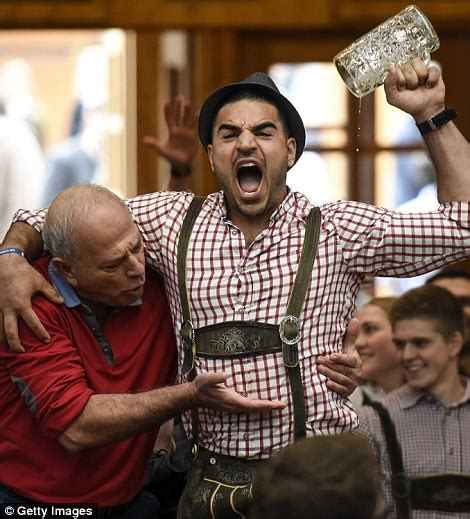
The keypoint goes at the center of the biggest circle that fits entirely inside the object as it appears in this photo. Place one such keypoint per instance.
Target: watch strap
(11, 250)
(180, 171)
(437, 121)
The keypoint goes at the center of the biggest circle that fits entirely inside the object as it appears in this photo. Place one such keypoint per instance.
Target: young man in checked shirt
(430, 414)
(243, 256)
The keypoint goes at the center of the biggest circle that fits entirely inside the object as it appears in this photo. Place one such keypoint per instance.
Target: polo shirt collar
(63, 287)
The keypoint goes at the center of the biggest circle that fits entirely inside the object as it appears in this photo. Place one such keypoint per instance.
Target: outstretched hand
(181, 146)
(416, 89)
(210, 390)
(19, 282)
(343, 369)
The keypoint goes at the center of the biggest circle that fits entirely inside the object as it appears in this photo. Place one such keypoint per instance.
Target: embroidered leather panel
(237, 338)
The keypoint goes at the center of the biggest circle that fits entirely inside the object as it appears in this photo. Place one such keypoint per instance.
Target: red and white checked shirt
(228, 281)
(434, 439)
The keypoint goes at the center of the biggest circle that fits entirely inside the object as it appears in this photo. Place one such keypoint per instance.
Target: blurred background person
(381, 367)
(20, 100)
(457, 282)
(22, 171)
(80, 159)
(91, 83)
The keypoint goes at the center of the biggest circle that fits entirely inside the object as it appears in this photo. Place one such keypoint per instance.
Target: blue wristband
(12, 250)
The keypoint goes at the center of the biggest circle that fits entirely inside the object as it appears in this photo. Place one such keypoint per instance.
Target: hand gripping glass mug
(364, 64)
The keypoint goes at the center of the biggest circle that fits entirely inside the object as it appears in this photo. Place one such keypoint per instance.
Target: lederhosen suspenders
(242, 338)
(442, 492)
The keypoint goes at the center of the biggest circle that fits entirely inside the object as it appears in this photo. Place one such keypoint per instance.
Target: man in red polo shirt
(79, 415)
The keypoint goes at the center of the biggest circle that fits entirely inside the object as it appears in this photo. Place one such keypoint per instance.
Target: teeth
(413, 368)
(248, 165)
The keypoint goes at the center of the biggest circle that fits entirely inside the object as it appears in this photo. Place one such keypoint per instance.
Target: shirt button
(244, 393)
(234, 232)
(246, 436)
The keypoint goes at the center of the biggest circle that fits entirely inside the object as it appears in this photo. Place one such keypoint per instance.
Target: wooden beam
(147, 56)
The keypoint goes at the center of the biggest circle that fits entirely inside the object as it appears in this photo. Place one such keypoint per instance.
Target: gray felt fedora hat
(258, 83)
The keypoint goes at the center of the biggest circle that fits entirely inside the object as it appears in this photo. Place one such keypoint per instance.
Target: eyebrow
(413, 339)
(264, 125)
(120, 259)
(368, 322)
(256, 128)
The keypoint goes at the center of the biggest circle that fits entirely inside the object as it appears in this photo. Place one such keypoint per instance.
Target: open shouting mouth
(249, 177)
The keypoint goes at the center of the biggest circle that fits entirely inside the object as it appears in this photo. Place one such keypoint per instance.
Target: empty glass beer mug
(364, 65)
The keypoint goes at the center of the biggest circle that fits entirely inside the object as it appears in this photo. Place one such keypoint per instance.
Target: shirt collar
(65, 289)
(409, 396)
(294, 205)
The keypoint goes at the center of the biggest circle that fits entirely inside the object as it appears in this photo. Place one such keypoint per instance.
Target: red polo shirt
(46, 388)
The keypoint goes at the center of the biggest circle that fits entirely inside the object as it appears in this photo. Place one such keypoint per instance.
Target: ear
(291, 149)
(455, 344)
(210, 156)
(66, 269)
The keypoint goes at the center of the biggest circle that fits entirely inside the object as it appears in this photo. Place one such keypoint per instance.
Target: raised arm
(420, 91)
(181, 146)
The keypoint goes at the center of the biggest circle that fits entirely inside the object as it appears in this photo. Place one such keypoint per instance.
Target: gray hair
(67, 211)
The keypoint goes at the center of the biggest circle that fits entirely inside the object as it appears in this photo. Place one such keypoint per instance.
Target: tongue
(249, 180)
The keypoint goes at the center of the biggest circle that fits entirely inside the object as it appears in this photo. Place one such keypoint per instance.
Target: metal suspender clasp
(189, 346)
(194, 451)
(289, 331)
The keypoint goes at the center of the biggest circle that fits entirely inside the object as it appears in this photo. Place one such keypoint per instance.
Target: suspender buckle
(189, 347)
(289, 331)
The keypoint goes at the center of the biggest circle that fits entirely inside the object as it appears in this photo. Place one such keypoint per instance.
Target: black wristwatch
(180, 171)
(437, 121)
